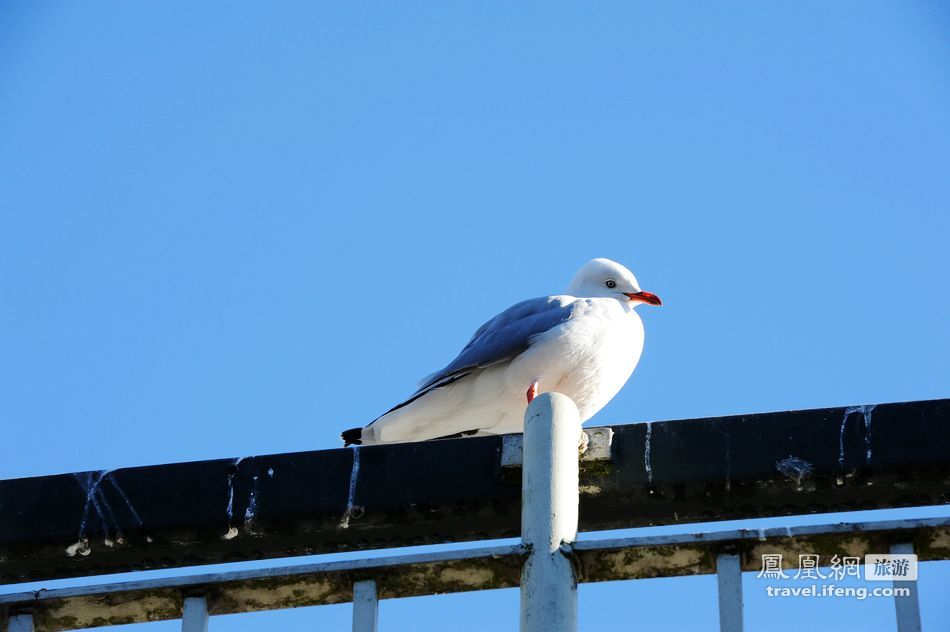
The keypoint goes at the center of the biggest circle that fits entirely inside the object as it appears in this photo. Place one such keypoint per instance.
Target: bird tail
(353, 436)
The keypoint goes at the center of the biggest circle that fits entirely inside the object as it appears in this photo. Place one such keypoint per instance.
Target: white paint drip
(841, 443)
(81, 547)
(90, 485)
(251, 505)
(866, 412)
(104, 510)
(795, 469)
(270, 472)
(351, 495)
(762, 535)
(97, 502)
(230, 506)
(647, 458)
(128, 503)
(229, 509)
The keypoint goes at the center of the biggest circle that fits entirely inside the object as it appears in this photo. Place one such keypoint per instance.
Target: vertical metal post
(549, 499)
(20, 623)
(908, 608)
(365, 606)
(194, 617)
(729, 575)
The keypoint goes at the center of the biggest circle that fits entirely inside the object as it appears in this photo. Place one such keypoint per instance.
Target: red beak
(644, 297)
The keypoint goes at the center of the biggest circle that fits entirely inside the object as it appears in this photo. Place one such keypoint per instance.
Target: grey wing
(500, 339)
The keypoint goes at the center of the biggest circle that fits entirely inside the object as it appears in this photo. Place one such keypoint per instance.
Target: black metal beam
(835, 459)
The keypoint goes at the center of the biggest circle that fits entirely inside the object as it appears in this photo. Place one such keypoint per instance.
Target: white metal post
(729, 574)
(20, 623)
(194, 616)
(908, 608)
(365, 606)
(549, 499)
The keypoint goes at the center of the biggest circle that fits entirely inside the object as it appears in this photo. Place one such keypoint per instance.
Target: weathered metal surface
(462, 571)
(194, 616)
(906, 607)
(729, 583)
(20, 623)
(595, 446)
(268, 589)
(771, 464)
(695, 554)
(552, 429)
(365, 606)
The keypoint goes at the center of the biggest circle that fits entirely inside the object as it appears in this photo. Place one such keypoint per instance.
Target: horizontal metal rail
(772, 464)
(460, 571)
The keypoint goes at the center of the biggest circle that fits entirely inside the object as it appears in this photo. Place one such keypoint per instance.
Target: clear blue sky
(190, 192)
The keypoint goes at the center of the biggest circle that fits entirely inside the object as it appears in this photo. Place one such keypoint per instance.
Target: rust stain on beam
(460, 571)
(268, 589)
(670, 556)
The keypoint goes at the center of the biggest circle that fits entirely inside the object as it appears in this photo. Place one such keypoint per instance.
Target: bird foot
(532, 392)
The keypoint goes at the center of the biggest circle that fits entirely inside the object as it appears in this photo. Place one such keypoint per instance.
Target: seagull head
(603, 278)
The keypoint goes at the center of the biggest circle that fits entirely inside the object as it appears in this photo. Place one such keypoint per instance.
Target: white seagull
(584, 344)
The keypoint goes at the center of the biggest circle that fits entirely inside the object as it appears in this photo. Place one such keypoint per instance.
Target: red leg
(532, 392)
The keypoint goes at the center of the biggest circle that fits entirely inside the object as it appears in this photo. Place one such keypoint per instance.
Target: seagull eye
(611, 283)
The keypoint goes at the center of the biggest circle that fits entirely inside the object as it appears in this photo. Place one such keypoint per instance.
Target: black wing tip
(353, 436)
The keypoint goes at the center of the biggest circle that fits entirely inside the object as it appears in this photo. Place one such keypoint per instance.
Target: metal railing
(549, 561)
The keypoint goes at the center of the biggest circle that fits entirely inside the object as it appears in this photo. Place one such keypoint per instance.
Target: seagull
(584, 343)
